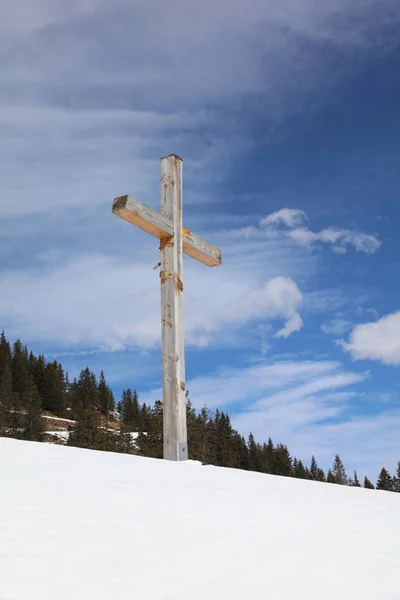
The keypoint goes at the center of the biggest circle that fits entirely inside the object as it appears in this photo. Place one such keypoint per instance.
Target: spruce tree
(396, 479)
(86, 391)
(7, 400)
(283, 461)
(367, 484)
(385, 481)
(5, 354)
(356, 482)
(299, 470)
(313, 468)
(20, 370)
(330, 478)
(339, 471)
(53, 391)
(33, 425)
(255, 454)
(150, 443)
(88, 432)
(105, 397)
(195, 433)
(124, 442)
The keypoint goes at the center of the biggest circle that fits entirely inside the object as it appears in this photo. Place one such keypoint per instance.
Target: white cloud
(379, 340)
(339, 239)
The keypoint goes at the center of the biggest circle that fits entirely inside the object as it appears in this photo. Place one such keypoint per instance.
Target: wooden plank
(156, 224)
(142, 216)
(201, 250)
(172, 338)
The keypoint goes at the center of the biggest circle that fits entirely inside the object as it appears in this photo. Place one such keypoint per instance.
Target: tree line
(31, 387)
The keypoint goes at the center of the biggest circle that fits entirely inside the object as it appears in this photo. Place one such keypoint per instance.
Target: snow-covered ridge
(89, 525)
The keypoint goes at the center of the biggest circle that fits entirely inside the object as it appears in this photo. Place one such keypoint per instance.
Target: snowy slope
(77, 524)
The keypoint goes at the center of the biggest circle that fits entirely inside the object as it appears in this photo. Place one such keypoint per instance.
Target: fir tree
(385, 481)
(367, 484)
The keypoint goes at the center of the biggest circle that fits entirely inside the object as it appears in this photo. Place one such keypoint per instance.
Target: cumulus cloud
(379, 340)
(289, 223)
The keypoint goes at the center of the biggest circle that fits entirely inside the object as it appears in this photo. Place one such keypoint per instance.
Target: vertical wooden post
(172, 340)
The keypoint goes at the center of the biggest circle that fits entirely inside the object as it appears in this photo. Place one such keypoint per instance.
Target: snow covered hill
(78, 524)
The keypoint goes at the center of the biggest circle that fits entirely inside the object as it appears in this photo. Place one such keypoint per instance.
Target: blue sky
(286, 115)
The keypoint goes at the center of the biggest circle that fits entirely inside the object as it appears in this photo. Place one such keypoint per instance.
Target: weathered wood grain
(172, 336)
(142, 216)
(156, 224)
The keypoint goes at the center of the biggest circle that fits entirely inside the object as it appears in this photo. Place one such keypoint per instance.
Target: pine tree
(396, 480)
(367, 484)
(385, 481)
(339, 471)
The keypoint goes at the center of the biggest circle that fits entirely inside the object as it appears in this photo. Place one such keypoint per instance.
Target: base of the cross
(176, 451)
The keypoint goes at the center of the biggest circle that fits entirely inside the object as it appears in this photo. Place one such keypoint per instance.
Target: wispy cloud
(289, 223)
(315, 407)
(337, 326)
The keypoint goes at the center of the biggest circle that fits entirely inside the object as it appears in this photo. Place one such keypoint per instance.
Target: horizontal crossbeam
(161, 227)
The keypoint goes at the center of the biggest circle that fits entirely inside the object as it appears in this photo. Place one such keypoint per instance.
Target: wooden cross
(174, 239)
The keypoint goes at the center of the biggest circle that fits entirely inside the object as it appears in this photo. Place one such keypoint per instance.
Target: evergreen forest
(36, 393)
